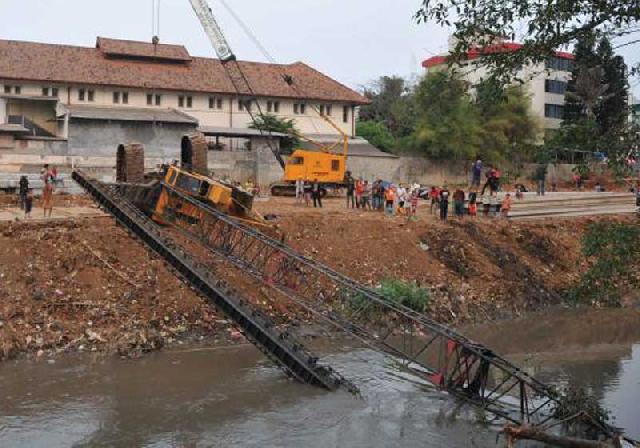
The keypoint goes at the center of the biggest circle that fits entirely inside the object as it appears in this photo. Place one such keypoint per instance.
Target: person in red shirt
(359, 191)
(434, 194)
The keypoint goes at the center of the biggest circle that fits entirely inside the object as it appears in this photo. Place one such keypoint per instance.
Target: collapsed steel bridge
(465, 369)
(279, 346)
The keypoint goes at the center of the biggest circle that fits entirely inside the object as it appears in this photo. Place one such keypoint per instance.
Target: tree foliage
(391, 104)
(273, 123)
(596, 108)
(542, 26)
(376, 133)
(455, 122)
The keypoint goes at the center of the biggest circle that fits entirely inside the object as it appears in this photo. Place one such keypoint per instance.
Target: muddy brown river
(232, 397)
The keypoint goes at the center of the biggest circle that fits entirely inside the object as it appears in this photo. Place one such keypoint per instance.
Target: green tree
(447, 120)
(273, 123)
(376, 133)
(510, 130)
(585, 56)
(391, 104)
(613, 111)
(548, 25)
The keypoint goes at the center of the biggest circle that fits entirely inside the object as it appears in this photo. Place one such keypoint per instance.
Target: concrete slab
(59, 213)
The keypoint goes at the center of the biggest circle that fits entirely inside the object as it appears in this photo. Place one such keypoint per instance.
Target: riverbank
(85, 285)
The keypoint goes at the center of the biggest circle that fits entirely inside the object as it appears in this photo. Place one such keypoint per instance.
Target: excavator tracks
(279, 346)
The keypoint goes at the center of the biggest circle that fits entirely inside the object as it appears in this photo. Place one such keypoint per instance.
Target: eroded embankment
(87, 285)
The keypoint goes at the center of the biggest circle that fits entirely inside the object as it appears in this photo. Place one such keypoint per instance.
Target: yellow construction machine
(230, 199)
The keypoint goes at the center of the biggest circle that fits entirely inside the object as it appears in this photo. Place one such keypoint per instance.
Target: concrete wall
(100, 138)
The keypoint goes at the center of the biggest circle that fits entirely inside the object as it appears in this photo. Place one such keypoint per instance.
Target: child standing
(28, 203)
(506, 206)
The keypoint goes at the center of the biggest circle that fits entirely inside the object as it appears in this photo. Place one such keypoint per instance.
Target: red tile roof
(30, 61)
(142, 50)
(475, 53)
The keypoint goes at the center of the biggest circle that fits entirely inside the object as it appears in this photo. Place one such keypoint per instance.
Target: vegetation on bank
(614, 250)
(398, 292)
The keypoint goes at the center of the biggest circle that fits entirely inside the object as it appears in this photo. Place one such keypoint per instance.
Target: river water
(229, 397)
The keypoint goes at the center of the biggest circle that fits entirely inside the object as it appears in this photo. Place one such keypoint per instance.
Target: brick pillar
(130, 163)
(194, 152)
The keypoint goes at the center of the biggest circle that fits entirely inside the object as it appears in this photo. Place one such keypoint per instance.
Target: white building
(546, 83)
(81, 102)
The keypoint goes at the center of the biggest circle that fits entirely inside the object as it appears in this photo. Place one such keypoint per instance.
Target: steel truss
(279, 346)
(435, 352)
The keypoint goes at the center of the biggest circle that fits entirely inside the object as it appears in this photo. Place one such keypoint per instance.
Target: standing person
(434, 194)
(486, 205)
(28, 203)
(458, 202)
(473, 205)
(476, 173)
(306, 188)
(365, 196)
(359, 192)
(414, 204)
(541, 177)
(444, 203)
(316, 194)
(23, 190)
(299, 190)
(389, 199)
(400, 194)
(506, 206)
(47, 190)
(351, 187)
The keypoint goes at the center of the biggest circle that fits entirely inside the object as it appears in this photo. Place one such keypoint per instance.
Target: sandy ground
(84, 284)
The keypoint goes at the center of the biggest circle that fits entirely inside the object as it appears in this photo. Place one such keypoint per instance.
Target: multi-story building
(546, 82)
(68, 101)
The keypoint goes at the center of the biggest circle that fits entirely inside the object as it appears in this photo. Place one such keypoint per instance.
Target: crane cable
(285, 76)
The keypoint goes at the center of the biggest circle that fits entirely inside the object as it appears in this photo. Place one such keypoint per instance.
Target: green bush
(396, 291)
(614, 250)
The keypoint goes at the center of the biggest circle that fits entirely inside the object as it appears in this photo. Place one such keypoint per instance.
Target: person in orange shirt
(389, 199)
(506, 206)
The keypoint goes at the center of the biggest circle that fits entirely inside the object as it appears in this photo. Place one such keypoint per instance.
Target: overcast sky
(354, 41)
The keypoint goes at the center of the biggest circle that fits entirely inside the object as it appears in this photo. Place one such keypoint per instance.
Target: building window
(116, 97)
(560, 64)
(299, 108)
(180, 101)
(273, 106)
(125, 97)
(54, 91)
(322, 109)
(244, 105)
(7, 89)
(215, 103)
(91, 95)
(149, 99)
(554, 86)
(554, 111)
(45, 91)
(189, 101)
(17, 90)
(328, 109)
(81, 94)
(345, 114)
(158, 100)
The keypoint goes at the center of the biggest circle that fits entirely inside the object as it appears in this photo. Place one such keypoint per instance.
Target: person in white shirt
(299, 190)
